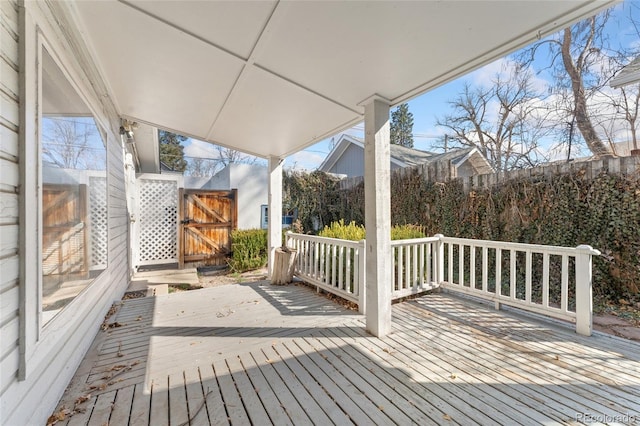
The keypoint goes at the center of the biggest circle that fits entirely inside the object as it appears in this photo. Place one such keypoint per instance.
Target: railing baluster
(485, 268)
(400, 264)
(512, 273)
(422, 268)
(527, 292)
(334, 275)
(498, 278)
(564, 292)
(472, 266)
(450, 277)
(316, 259)
(545, 280)
(325, 264)
(350, 280)
(414, 267)
(341, 251)
(461, 265)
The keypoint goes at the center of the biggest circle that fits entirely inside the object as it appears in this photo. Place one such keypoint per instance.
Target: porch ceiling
(271, 78)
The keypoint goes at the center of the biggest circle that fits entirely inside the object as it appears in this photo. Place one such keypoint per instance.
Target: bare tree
(201, 167)
(70, 142)
(503, 121)
(577, 55)
(615, 114)
(228, 156)
(209, 166)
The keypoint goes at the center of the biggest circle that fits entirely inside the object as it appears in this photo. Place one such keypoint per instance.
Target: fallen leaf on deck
(446, 417)
(83, 398)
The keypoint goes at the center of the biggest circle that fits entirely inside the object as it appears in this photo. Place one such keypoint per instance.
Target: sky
(435, 103)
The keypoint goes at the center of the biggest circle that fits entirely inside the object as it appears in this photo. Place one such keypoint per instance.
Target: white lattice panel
(98, 218)
(158, 221)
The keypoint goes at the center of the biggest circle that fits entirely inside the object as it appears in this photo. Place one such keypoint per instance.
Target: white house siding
(9, 211)
(28, 395)
(251, 181)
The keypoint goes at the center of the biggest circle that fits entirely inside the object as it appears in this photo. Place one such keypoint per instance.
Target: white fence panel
(157, 219)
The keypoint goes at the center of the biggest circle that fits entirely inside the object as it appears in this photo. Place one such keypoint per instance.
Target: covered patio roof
(272, 77)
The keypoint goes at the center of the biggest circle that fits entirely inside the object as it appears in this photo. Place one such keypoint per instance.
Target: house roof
(400, 155)
(628, 75)
(407, 157)
(262, 77)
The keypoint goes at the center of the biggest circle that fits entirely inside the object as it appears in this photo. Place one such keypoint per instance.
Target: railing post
(439, 272)
(362, 283)
(584, 290)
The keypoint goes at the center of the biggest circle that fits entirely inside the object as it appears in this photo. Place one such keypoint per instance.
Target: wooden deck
(260, 354)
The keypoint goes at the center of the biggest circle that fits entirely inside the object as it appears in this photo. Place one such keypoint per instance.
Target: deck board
(122, 406)
(261, 354)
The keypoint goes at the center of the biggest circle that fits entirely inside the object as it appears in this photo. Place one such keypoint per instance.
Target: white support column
(584, 290)
(274, 228)
(377, 197)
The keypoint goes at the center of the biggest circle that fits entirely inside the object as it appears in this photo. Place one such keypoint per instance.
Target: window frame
(36, 337)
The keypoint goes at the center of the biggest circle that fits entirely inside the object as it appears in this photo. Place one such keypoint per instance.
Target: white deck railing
(415, 266)
(548, 280)
(334, 265)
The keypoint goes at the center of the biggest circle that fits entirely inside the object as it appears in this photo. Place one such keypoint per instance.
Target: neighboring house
(347, 158)
(251, 182)
(624, 149)
(628, 75)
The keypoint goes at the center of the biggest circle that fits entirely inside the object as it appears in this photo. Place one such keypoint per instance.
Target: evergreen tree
(402, 126)
(172, 151)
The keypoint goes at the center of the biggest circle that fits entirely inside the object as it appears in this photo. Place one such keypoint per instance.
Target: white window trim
(35, 338)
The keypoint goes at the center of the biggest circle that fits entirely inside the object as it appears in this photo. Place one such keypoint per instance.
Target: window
(288, 217)
(73, 192)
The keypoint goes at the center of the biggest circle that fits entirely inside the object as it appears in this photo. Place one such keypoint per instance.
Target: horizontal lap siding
(9, 179)
(32, 400)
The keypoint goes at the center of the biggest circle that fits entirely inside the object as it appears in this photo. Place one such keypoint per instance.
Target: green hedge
(565, 209)
(249, 249)
(355, 232)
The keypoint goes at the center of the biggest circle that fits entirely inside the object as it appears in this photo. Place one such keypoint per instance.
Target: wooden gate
(206, 221)
(64, 234)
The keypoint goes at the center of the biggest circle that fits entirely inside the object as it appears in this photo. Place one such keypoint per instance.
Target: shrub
(250, 249)
(351, 232)
(406, 232)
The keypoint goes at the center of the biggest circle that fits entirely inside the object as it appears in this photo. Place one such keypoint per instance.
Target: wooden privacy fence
(548, 280)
